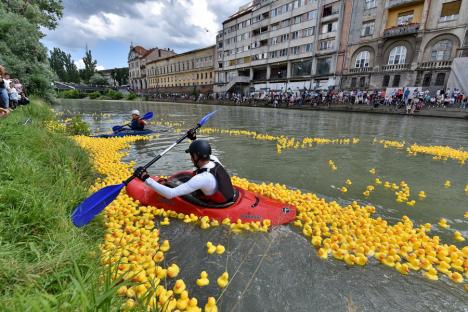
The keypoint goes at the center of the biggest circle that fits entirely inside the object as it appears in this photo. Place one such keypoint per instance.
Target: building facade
(191, 72)
(138, 57)
(279, 45)
(404, 43)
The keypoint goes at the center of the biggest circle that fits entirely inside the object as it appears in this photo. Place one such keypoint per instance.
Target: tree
(63, 65)
(121, 76)
(72, 73)
(90, 66)
(21, 52)
(98, 79)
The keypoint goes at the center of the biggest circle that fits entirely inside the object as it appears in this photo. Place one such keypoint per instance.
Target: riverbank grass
(46, 263)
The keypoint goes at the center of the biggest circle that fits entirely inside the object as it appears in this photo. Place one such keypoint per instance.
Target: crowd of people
(12, 93)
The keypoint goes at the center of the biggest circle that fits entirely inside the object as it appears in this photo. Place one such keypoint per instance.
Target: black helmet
(201, 148)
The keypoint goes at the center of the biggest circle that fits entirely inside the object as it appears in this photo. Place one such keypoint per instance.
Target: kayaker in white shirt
(210, 179)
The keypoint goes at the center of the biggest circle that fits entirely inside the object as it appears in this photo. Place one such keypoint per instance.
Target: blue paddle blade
(148, 115)
(116, 128)
(205, 119)
(94, 204)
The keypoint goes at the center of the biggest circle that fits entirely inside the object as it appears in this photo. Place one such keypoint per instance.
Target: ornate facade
(397, 43)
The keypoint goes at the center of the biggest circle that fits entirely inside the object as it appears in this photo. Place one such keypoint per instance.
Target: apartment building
(189, 72)
(279, 45)
(397, 43)
(138, 57)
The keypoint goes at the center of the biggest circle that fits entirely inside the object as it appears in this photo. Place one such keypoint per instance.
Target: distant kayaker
(137, 123)
(210, 182)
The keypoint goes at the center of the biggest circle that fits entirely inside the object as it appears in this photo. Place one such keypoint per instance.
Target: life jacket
(137, 124)
(225, 190)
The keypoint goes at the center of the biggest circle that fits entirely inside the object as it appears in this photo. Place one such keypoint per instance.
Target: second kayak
(125, 133)
(246, 206)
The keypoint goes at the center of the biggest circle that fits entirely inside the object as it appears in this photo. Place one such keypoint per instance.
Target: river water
(280, 271)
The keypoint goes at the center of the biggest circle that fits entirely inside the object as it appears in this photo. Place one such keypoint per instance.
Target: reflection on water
(279, 271)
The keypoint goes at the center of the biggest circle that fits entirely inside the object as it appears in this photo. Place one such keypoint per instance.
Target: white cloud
(177, 24)
(100, 67)
(79, 64)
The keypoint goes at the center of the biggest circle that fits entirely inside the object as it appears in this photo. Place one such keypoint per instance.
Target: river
(280, 271)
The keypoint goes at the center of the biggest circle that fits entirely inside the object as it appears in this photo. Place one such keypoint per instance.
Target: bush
(78, 127)
(94, 95)
(71, 94)
(131, 96)
(114, 95)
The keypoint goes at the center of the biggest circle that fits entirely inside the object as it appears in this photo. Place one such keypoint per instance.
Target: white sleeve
(192, 185)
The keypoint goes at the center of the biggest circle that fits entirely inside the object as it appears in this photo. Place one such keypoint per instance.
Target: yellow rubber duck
(431, 274)
(366, 193)
(158, 256)
(211, 305)
(377, 181)
(411, 203)
(422, 195)
(402, 268)
(444, 267)
(173, 270)
(211, 248)
(220, 249)
(193, 306)
(443, 223)
(465, 214)
(183, 301)
(372, 171)
(456, 277)
(165, 246)
(203, 280)
(223, 280)
(348, 182)
(179, 287)
(316, 241)
(343, 189)
(361, 259)
(447, 184)
(458, 236)
(165, 221)
(322, 253)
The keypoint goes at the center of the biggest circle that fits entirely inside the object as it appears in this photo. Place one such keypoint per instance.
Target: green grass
(46, 264)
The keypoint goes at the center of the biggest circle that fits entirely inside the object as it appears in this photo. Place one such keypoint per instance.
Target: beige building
(404, 43)
(279, 45)
(138, 57)
(189, 72)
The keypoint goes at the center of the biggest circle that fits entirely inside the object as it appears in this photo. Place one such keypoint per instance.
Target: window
(450, 11)
(440, 79)
(283, 52)
(362, 60)
(362, 82)
(329, 27)
(367, 28)
(323, 66)
(370, 4)
(308, 32)
(397, 55)
(385, 81)
(405, 18)
(353, 82)
(441, 51)
(295, 50)
(301, 68)
(312, 15)
(327, 44)
(396, 81)
(427, 80)
(294, 35)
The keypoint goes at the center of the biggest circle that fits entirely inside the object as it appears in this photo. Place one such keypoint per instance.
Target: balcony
(360, 70)
(396, 67)
(401, 30)
(435, 65)
(398, 3)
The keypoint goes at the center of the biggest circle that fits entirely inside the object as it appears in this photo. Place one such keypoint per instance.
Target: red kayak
(246, 206)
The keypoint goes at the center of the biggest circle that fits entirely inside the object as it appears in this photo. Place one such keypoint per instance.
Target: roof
(139, 50)
(182, 54)
(245, 9)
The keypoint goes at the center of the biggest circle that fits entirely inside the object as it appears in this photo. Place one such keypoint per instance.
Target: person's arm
(192, 185)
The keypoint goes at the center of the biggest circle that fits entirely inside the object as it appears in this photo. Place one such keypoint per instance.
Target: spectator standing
(4, 100)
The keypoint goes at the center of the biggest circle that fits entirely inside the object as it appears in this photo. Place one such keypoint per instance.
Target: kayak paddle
(146, 116)
(94, 204)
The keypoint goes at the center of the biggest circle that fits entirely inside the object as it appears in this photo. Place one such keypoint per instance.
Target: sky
(108, 27)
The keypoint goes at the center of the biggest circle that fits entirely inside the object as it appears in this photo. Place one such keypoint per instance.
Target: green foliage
(114, 95)
(120, 75)
(47, 264)
(131, 96)
(94, 95)
(78, 127)
(71, 94)
(43, 13)
(90, 67)
(98, 79)
(63, 65)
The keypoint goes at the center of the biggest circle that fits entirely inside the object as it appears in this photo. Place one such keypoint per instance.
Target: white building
(279, 45)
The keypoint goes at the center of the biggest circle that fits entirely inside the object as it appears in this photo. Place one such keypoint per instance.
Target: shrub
(131, 96)
(94, 95)
(78, 127)
(114, 95)
(72, 94)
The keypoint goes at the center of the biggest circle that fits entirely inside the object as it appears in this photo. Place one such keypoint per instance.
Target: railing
(401, 30)
(396, 67)
(435, 64)
(397, 3)
(360, 70)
